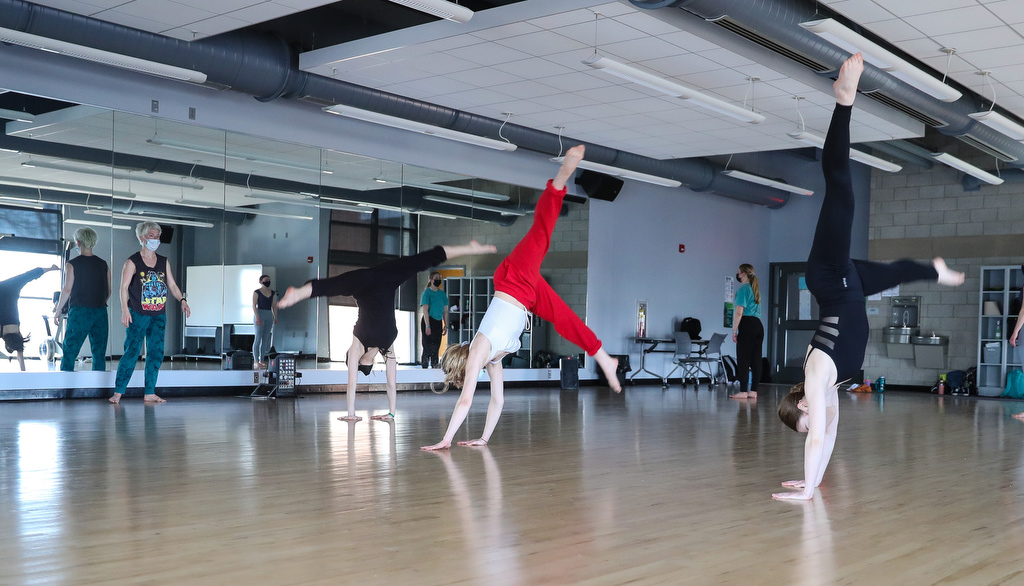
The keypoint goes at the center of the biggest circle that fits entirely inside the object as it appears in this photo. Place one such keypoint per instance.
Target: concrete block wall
(923, 213)
(564, 267)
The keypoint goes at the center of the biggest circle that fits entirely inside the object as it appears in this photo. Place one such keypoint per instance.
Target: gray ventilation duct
(777, 21)
(265, 68)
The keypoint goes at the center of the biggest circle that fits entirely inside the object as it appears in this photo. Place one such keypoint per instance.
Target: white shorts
(502, 325)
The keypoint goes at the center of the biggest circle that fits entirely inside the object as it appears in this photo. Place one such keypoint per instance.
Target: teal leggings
(82, 322)
(151, 329)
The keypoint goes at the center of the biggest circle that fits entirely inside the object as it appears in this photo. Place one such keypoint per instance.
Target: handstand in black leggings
(376, 329)
(839, 284)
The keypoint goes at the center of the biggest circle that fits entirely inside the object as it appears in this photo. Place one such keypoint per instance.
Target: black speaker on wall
(166, 233)
(599, 185)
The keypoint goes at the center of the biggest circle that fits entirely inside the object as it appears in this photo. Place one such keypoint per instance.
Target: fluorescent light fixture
(148, 218)
(7, 150)
(101, 224)
(475, 206)
(437, 215)
(1000, 123)
(99, 56)
(624, 173)
(402, 123)
(300, 201)
(17, 116)
(7, 201)
(676, 90)
(341, 207)
(968, 168)
(857, 155)
(234, 154)
(439, 8)
(242, 210)
(768, 182)
(67, 187)
(114, 174)
(844, 38)
(460, 191)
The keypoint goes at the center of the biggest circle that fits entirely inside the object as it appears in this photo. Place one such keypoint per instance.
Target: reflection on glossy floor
(655, 486)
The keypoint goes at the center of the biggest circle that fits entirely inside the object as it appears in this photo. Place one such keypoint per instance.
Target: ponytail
(752, 279)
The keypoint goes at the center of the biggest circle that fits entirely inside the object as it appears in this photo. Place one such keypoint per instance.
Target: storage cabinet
(1000, 288)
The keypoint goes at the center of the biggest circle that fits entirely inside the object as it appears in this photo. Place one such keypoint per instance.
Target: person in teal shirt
(434, 320)
(747, 332)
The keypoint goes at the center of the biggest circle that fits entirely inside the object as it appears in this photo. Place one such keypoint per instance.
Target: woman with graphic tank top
(146, 280)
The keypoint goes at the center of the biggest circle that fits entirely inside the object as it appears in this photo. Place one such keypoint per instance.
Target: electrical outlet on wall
(256, 377)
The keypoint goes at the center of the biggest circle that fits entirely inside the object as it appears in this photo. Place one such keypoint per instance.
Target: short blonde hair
(144, 227)
(453, 364)
(86, 237)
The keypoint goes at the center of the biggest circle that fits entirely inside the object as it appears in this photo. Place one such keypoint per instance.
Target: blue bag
(1014, 385)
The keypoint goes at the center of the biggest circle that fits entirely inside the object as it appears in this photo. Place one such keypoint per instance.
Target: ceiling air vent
(752, 35)
(898, 105)
(987, 148)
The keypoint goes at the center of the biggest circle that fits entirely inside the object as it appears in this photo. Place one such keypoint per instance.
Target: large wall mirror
(235, 208)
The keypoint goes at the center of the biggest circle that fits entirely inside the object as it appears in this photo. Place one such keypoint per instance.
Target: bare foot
(441, 445)
(947, 276)
(1018, 415)
(153, 399)
(385, 417)
(610, 368)
(352, 418)
(115, 398)
(743, 396)
(293, 295)
(849, 75)
(476, 442)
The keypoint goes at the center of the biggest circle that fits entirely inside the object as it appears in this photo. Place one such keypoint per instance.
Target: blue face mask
(152, 244)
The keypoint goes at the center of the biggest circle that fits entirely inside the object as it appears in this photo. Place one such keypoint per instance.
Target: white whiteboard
(222, 294)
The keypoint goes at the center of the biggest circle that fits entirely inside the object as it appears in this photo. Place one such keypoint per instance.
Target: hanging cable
(508, 116)
(560, 129)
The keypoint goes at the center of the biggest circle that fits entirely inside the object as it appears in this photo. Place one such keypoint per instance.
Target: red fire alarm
(682, 248)
(309, 259)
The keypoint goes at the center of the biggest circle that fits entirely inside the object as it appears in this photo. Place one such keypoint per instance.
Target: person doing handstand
(519, 289)
(376, 329)
(839, 284)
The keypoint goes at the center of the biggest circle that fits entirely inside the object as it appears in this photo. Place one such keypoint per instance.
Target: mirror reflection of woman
(86, 292)
(839, 284)
(10, 321)
(433, 319)
(146, 280)
(264, 311)
(747, 332)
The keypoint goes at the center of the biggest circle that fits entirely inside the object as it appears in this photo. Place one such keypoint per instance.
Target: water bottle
(881, 384)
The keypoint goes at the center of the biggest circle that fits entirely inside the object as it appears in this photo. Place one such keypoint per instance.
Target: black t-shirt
(265, 302)
(91, 286)
(147, 291)
(10, 291)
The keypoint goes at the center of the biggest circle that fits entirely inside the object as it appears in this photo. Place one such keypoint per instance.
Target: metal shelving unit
(1000, 286)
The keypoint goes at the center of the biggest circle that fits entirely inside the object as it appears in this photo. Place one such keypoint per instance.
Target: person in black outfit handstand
(376, 328)
(839, 284)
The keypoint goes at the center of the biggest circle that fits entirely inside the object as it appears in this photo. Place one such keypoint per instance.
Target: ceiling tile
(953, 21)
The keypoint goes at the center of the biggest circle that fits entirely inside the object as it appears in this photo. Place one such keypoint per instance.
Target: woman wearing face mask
(434, 304)
(264, 310)
(747, 332)
(146, 280)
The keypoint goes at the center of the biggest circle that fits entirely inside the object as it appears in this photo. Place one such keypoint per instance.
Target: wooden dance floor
(653, 487)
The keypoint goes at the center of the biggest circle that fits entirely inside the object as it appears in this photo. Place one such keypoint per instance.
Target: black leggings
(749, 340)
(431, 343)
(838, 283)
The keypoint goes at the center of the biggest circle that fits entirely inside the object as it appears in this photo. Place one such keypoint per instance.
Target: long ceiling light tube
(476, 206)
(460, 191)
(439, 8)
(968, 168)
(671, 88)
(342, 207)
(244, 210)
(767, 182)
(857, 155)
(114, 174)
(302, 200)
(99, 56)
(1000, 123)
(623, 173)
(67, 187)
(148, 218)
(232, 154)
(404, 124)
(839, 35)
(17, 116)
(102, 224)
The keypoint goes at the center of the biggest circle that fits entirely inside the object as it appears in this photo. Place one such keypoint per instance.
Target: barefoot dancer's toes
(437, 446)
(947, 276)
(115, 399)
(154, 399)
(849, 75)
(288, 299)
(1018, 415)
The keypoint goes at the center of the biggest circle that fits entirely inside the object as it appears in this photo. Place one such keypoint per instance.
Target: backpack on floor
(730, 368)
